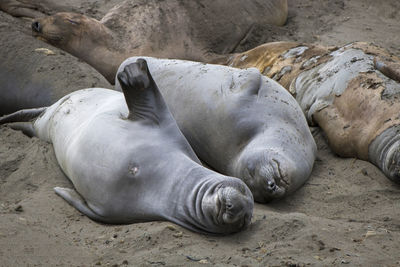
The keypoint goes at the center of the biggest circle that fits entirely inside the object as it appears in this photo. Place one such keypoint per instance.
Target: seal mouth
(227, 206)
(47, 37)
(40, 38)
(231, 212)
(274, 184)
(269, 182)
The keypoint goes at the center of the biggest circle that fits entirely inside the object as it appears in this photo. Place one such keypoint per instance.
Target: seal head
(85, 38)
(270, 175)
(68, 31)
(228, 204)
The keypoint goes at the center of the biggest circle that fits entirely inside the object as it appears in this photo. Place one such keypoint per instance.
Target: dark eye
(73, 22)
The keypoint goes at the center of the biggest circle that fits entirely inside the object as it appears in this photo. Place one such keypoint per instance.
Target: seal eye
(73, 22)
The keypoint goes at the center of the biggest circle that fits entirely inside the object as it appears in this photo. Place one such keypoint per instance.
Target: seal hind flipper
(25, 127)
(141, 93)
(75, 200)
(22, 115)
(21, 120)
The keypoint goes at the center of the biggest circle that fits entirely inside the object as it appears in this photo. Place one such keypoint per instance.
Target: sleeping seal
(194, 30)
(239, 122)
(351, 92)
(129, 162)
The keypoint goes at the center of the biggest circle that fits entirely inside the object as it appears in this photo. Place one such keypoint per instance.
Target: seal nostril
(36, 26)
(271, 185)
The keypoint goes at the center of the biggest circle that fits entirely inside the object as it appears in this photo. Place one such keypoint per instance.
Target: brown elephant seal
(129, 162)
(195, 30)
(239, 122)
(351, 92)
(35, 74)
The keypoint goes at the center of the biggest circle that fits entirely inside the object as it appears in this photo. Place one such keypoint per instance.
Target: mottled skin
(239, 122)
(129, 162)
(351, 92)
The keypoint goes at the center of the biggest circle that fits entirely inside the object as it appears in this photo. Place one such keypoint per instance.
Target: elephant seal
(193, 30)
(35, 74)
(129, 162)
(239, 122)
(351, 92)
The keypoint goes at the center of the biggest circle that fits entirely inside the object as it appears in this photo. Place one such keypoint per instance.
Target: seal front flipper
(75, 200)
(21, 120)
(141, 93)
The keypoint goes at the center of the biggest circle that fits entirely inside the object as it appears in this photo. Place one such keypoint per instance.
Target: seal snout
(236, 207)
(36, 27)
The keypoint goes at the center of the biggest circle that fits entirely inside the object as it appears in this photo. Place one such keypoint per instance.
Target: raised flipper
(141, 93)
(75, 200)
(21, 120)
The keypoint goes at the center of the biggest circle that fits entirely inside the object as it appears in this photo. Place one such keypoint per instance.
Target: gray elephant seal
(129, 162)
(239, 122)
(351, 92)
(194, 30)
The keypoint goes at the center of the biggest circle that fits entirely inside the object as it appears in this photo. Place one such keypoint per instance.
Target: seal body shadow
(129, 162)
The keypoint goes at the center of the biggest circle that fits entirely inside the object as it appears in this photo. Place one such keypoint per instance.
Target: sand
(347, 214)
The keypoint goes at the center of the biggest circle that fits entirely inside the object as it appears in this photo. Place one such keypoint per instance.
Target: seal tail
(22, 120)
(142, 96)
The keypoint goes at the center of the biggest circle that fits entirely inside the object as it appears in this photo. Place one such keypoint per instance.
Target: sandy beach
(347, 213)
